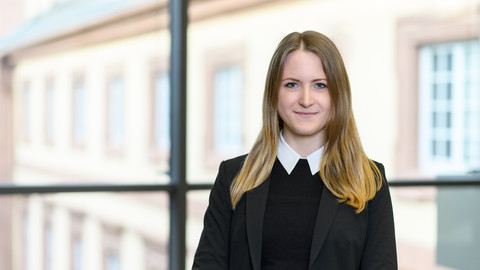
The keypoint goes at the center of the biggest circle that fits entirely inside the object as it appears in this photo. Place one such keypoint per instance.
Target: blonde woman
(306, 196)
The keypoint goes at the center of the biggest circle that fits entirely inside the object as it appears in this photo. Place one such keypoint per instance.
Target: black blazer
(341, 239)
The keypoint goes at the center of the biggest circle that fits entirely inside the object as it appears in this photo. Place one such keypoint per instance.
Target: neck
(303, 145)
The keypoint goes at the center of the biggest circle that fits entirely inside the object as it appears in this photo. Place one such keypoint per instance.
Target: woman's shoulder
(379, 165)
(233, 165)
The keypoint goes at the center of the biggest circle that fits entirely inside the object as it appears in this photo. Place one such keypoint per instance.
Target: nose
(305, 98)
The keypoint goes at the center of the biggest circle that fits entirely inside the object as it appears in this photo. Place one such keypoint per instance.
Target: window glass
(112, 261)
(79, 112)
(77, 223)
(116, 133)
(449, 107)
(26, 111)
(228, 87)
(24, 236)
(48, 246)
(162, 111)
(50, 112)
(77, 253)
(155, 255)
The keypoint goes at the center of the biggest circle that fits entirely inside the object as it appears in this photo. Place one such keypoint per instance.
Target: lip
(305, 114)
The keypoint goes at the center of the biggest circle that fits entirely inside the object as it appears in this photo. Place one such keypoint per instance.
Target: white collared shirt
(289, 158)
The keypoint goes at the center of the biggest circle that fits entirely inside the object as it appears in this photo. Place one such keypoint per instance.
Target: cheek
(282, 104)
(327, 102)
(327, 107)
(280, 110)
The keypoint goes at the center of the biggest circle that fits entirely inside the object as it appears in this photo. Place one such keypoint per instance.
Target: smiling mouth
(306, 114)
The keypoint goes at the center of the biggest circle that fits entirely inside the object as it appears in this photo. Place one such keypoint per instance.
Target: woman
(306, 196)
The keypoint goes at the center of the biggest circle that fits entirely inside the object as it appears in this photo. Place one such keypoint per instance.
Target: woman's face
(303, 97)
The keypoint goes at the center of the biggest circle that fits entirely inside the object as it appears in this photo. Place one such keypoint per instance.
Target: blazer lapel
(256, 200)
(325, 216)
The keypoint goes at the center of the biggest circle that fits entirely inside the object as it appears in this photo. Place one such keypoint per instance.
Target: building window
(111, 251)
(160, 102)
(438, 95)
(227, 122)
(155, 256)
(449, 114)
(79, 124)
(26, 111)
(25, 239)
(77, 242)
(115, 114)
(49, 111)
(224, 105)
(48, 240)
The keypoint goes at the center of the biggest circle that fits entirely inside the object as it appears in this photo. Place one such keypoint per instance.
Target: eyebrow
(296, 80)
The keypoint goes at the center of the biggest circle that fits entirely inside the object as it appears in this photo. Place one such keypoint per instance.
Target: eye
(291, 84)
(320, 85)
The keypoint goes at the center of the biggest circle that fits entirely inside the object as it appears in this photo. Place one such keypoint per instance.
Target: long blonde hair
(344, 169)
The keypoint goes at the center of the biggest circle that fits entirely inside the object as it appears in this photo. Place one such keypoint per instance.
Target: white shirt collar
(289, 158)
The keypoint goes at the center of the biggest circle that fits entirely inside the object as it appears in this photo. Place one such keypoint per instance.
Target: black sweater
(290, 215)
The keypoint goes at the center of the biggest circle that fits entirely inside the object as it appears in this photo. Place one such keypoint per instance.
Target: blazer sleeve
(212, 251)
(380, 248)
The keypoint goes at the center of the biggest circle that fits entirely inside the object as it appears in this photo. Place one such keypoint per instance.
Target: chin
(308, 133)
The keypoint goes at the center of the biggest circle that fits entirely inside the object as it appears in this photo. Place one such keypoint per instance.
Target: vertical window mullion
(178, 89)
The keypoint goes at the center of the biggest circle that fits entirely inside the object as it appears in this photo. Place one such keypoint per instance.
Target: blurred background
(85, 99)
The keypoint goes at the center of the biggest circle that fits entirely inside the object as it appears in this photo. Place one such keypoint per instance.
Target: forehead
(303, 63)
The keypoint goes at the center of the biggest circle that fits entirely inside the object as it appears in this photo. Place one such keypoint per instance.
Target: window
(77, 242)
(79, 111)
(48, 240)
(449, 115)
(160, 113)
(111, 253)
(112, 261)
(155, 256)
(77, 251)
(227, 123)
(25, 237)
(224, 104)
(49, 111)
(438, 93)
(26, 111)
(115, 114)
